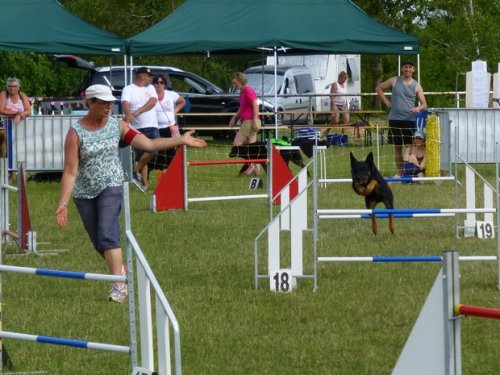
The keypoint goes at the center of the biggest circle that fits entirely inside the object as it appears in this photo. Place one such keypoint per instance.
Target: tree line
(452, 34)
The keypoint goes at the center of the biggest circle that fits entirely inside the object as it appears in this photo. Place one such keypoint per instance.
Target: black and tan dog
(368, 182)
(258, 150)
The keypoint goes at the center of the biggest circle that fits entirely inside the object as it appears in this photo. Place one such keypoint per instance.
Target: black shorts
(401, 132)
(151, 133)
(165, 132)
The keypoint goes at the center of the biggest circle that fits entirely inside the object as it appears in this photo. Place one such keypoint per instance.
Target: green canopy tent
(45, 26)
(247, 26)
(240, 26)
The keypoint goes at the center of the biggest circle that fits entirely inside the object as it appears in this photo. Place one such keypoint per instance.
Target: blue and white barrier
(58, 340)
(400, 211)
(64, 342)
(390, 179)
(385, 216)
(63, 274)
(398, 259)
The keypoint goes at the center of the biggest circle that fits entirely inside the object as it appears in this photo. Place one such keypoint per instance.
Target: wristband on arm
(130, 135)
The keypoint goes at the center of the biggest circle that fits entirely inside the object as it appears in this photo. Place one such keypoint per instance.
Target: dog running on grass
(368, 182)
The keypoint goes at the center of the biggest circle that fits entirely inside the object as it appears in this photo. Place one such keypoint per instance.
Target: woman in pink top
(248, 113)
(13, 102)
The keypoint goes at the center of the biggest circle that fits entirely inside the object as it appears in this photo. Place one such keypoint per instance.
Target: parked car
(294, 88)
(202, 95)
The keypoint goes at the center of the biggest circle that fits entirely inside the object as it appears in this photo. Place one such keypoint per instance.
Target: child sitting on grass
(414, 158)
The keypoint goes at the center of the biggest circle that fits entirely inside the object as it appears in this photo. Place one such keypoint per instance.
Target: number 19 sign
(485, 229)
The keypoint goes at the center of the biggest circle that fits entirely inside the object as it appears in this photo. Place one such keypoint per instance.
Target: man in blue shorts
(403, 108)
(138, 103)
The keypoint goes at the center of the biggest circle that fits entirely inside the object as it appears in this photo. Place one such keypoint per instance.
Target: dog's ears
(369, 158)
(353, 159)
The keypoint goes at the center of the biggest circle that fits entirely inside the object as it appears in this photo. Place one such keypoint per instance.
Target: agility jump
(163, 357)
(434, 345)
(469, 225)
(297, 270)
(25, 237)
(291, 218)
(172, 190)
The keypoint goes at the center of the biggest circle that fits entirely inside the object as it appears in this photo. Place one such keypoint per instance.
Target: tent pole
(418, 67)
(131, 67)
(125, 68)
(275, 50)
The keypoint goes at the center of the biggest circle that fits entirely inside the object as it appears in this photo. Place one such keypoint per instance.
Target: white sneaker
(118, 294)
(250, 170)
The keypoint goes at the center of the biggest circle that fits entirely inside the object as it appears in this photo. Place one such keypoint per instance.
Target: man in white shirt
(138, 104)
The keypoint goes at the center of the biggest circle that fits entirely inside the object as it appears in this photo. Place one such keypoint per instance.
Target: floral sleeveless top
(99, 165)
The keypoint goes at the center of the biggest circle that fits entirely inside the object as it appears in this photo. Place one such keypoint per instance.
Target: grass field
(355, 323)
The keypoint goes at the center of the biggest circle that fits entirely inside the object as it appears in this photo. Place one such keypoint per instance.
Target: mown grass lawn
(355, 323)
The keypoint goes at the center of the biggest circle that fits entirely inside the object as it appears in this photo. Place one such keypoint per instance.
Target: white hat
(419, 134)
(100, 92)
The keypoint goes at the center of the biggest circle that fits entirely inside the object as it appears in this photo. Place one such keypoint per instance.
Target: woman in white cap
(414, 158)
(94, 175)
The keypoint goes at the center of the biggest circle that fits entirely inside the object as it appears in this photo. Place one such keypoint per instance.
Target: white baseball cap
(419, 134)
(100, 92)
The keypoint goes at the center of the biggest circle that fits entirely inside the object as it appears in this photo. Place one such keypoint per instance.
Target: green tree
(39, 74)
(452, 34)
(126, 18)
(459, 33)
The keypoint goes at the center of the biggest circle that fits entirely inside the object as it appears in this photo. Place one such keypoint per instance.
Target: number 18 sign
(281, 281)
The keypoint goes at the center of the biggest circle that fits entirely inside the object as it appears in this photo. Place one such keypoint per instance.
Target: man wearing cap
(138, 103)
(403, 108)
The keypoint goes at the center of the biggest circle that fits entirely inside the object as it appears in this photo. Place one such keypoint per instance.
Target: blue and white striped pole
(64, 342)
(408, 259)
(392, 179)
(404, 211)
(384, 216)
(63, 274)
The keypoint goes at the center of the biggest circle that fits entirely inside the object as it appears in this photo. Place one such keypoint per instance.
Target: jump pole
(434, 345)
(385, 216)
(390, 179)
(405, 259)
(383, 211)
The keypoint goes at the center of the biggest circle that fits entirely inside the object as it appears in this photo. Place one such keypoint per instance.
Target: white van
(294, 88)
(325, 70)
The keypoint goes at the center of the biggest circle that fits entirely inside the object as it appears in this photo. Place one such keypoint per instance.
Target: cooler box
(308, 132)
(337, 140)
